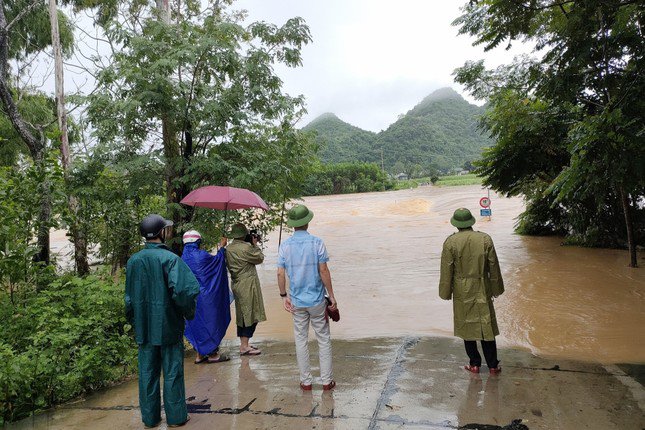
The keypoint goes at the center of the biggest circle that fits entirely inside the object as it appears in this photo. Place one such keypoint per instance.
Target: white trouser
(319, 322)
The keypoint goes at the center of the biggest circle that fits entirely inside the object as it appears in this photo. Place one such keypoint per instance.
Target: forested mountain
(438, 133)
(340, 141)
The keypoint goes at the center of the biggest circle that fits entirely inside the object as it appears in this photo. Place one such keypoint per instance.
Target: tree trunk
(163, 8)
(44, 216)
(78, 235)
(173, 173)
(629, 225)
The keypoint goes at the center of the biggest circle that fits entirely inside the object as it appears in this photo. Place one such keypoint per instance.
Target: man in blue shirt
(304, 259)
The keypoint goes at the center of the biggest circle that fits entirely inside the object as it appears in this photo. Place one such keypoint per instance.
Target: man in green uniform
(471, 276)
(241, 259)
(161, 291)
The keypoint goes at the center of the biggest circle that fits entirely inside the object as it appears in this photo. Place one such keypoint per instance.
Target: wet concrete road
(383, 383)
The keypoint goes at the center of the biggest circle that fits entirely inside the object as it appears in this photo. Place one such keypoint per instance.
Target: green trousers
(152, 359)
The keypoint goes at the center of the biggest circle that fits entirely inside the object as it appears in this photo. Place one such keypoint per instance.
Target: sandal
(220, 359)
(472, 369)
(251, 351)
(201, 360)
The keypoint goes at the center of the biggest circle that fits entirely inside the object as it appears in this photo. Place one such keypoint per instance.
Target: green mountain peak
(440, 132)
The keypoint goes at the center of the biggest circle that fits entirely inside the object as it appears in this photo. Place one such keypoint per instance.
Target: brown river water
(385, 251)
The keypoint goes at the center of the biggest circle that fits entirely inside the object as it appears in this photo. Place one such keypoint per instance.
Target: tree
(78, 236)
(23, 31)
(202, 84)
(587, 83)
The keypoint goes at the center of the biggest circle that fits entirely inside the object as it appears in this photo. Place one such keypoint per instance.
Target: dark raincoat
(213, 314)
(471, 276)
(160, 293)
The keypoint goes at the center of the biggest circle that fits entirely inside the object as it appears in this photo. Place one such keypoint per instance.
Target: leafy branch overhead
(568, 122)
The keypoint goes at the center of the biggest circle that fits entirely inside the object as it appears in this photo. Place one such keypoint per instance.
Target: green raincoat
(241, 258)
(160, 292)
(471, 276)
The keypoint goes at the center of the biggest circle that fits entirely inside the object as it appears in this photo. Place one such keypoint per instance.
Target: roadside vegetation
(187, 97)
(344, 178)
(568, 120)
(440, 181)
(184, 97)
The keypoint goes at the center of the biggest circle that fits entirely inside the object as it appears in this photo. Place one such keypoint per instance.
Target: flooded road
(567, 302)
(567, 314)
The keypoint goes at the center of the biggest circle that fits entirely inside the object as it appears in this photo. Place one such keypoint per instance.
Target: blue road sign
(485, 212)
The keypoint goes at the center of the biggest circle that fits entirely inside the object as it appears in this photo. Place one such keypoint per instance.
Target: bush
(345, 178)
(69, 338)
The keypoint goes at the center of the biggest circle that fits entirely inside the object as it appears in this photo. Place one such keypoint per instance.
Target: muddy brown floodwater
(385, 250)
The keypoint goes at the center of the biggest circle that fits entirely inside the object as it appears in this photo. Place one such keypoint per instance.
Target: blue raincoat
(213, 313)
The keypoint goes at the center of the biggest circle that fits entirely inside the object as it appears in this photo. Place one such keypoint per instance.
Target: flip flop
(252, 351)
(220, 359)
(202, 360)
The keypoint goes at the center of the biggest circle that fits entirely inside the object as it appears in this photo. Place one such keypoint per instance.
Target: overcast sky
(371, 60)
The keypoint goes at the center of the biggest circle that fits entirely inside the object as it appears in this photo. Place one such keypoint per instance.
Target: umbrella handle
(225, 219)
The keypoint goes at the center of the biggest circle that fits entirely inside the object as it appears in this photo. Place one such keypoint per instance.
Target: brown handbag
(334, 315)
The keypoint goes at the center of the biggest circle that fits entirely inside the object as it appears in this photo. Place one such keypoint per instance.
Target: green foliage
(20, 189)
(114, 195)
(343, 178)
(32, 33)
(530, 148)
(456, 180)
(448, 181)
(205, 84)
(69, 338)
(568, 125)
(440, 133)
(38, 110)
(274, 163)
(341, 142)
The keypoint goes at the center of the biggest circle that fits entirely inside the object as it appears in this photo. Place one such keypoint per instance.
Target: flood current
(385, 249)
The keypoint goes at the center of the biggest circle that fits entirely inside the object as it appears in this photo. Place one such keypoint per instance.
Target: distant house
(401, 177)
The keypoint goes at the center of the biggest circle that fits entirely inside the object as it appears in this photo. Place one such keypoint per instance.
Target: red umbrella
(224, 198)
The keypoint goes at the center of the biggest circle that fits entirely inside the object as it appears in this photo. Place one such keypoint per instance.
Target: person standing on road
(304, 259)
(241, 259)
(160, 292)
(213, 313)
(471, 276)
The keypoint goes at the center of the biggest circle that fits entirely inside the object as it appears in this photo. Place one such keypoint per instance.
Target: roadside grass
(456, 180)
(444, 181)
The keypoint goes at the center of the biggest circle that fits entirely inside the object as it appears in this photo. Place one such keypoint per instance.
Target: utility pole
(80, 242)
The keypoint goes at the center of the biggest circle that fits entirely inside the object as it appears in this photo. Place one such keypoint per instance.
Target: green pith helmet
(462, 218)
(299, 215)
(238, 231)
